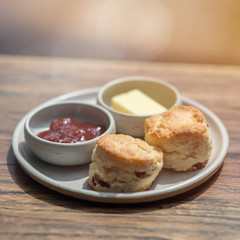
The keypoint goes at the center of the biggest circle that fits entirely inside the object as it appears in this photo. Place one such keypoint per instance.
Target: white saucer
(72, 181)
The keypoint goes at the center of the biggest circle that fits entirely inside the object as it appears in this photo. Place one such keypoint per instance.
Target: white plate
(72, 181)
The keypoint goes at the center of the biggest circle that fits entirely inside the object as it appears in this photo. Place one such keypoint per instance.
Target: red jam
(67, 130)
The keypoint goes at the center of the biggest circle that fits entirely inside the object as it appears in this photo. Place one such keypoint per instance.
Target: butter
(135, 102)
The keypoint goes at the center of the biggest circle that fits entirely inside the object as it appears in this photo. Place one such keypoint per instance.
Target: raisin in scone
(121, 163)
(183, 135)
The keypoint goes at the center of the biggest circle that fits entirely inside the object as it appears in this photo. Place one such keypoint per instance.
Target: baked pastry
(183, 135)
(121, 163)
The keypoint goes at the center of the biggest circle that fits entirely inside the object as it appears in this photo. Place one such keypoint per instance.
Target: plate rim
(144, 196)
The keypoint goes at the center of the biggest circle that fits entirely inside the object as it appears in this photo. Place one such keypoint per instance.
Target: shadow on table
(38, 191)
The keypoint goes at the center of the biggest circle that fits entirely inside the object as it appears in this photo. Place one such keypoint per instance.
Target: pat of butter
(136, 102)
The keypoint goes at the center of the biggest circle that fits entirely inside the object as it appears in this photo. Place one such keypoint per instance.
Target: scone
(183, 135)
(121, 163)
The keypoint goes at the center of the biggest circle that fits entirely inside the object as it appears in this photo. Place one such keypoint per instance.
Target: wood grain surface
(29, 210)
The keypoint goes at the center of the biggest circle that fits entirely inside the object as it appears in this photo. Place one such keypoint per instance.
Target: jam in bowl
(67, 130)
(65, 133)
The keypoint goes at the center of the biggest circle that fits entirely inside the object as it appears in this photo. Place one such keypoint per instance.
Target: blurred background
(191, 31)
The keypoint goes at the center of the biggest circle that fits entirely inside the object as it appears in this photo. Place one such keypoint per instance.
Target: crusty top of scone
(178, 120)
(124, 148)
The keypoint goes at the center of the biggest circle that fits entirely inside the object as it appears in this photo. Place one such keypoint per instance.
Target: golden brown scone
(121, 163)
(183, 135)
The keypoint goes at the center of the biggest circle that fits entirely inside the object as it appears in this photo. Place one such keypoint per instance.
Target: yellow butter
(136, 102)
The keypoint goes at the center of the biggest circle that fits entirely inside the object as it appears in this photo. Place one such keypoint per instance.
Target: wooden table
(29, 210)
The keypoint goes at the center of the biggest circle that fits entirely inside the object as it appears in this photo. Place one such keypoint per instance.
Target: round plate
(72, 181)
